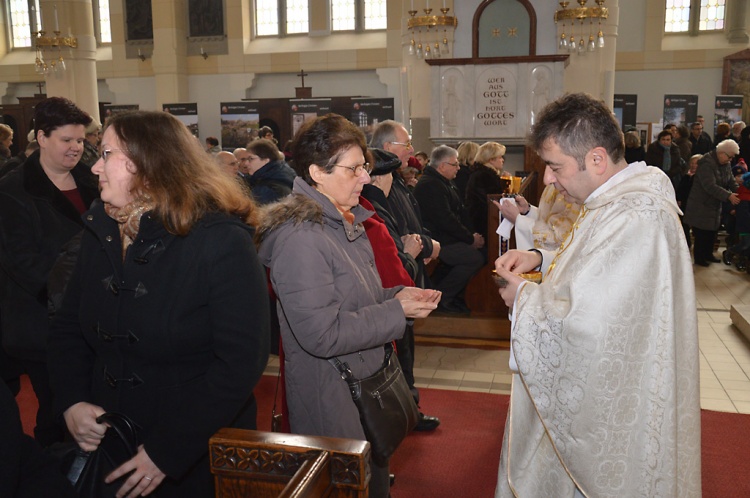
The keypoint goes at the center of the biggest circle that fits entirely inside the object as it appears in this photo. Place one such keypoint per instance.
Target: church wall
(650, 64)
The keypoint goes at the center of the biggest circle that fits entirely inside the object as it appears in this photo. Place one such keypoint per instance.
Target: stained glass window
(680, 16)
(297, 14)
(677, 18)
(266, 17)
(20, 14)
(343, 15)
(358, 15)
(105, 28)
(375, 14)
(712, 15)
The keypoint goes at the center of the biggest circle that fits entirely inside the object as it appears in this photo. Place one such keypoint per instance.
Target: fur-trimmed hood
(295, 209)
(305, 205)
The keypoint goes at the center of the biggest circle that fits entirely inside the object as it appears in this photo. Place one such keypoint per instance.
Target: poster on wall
(367, 113)
(727, 109)
(680, 109)
(626, 107)
(239, 123)
(187, 113)
(107, 110)
(304, 109)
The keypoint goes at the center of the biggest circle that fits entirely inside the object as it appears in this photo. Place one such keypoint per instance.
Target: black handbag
(86, 471)
(386, 407)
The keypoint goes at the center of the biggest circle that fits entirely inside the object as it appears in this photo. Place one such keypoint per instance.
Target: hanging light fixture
(581, 13)
(427, 26)
(49, 55)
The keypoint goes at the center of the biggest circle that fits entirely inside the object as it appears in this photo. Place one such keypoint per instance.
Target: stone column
(78, 81)
(737, 31)
(170, 51)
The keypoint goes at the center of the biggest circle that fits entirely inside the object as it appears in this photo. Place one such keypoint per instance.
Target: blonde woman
(484, 180)
(466, 153)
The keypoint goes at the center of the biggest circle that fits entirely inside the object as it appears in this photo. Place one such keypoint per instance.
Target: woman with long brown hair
(166, 316)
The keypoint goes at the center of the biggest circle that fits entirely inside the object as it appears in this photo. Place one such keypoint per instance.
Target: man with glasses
(243, 158)
(701, 141)
(392, 137)
(446, 217)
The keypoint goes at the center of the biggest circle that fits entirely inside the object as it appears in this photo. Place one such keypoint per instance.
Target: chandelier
(580, 14)
(427, 41)
(49, 58)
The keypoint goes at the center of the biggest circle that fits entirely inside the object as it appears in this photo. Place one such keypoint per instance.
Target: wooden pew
(489, 315)
(275, 465)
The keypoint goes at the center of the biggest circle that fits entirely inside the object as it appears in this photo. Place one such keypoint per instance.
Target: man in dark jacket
(393, 138)
(701, 141)
(447, 219)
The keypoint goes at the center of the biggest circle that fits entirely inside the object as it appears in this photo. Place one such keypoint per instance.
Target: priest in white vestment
(605, 394)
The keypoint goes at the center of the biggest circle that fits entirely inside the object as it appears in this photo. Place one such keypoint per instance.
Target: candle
(202, 52)
(412, 5)
(443, 3)
(57, 25)
(427, 4)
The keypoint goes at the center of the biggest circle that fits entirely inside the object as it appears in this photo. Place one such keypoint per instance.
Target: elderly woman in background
(331, 301)
(165, 318)
(41, 203)
(269, 177)
(712, 185)
(484, 179)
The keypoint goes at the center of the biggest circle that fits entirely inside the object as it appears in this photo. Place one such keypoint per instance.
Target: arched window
(358, 15)
(694, 16)
(281, 17)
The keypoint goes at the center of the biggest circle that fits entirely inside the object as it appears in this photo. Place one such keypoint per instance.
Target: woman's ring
(147, 478)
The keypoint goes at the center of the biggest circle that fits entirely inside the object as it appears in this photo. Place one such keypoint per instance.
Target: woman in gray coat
(331, 302)
(713, 184)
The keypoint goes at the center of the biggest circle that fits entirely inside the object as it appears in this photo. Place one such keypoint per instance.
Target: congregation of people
(138, 283)
(708, 178)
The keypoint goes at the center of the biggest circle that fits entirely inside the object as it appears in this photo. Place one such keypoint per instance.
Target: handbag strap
(125, 428)
(346, 372)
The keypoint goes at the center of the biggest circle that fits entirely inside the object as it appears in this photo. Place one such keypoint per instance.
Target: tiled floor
(724, 362)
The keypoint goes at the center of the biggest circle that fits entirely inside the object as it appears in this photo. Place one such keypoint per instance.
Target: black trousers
(703, 249)
(463, 262)
(405, 354)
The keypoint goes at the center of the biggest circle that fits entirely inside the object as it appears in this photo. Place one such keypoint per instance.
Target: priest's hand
(508, 292)
(518, 261)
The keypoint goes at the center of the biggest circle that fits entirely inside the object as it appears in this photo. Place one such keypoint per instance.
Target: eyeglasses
(108, 152)
(455, 165)
(357, 168)
(405, 144)
(248, 158)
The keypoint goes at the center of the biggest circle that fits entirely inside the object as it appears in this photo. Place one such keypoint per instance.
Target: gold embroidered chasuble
(607, 396)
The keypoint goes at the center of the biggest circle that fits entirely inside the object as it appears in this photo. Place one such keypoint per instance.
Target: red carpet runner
(460, 458)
